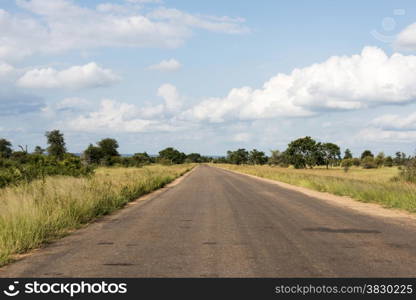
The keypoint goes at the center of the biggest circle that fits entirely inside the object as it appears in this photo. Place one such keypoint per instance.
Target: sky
(209, 76)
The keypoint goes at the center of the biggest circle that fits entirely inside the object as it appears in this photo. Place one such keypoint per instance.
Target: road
(216, 223)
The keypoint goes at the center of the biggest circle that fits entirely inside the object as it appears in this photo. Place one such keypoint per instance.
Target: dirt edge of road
(373, 209)
(102, 219)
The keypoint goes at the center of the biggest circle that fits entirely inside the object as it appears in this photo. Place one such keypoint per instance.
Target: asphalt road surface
(216, 223)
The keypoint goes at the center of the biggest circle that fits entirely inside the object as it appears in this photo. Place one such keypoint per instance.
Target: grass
(371, 185)
(37, 212)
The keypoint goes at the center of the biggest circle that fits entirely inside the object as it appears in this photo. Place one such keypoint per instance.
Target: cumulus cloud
(77, 77)
(119, 116)
(60, 25)
(340, 83)
(166, 65)
(407, 38)
(169, 93)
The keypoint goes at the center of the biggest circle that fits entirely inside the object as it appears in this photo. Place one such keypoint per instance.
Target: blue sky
(209, 76)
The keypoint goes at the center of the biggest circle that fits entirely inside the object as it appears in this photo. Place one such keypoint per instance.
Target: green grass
(371, 185)
(37, 212)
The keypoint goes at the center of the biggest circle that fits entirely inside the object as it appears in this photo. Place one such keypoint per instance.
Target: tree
(141, 159)
(303, 152)
(256, 157)
(400, 158)
(238, 157)
(39, 150)
(278, 158)
(5, 148)
(56, 144)
(331, 153)
(93, 154)
(109, 147)
(347, 154)
(194, 158)
(346, 164)
(367, 153)
(172, 155)
(388, 162)
(368, 162)
(379, 160)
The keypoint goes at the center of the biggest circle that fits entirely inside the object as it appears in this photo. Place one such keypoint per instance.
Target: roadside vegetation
(48, 192)
(390, 181)
(36, 212)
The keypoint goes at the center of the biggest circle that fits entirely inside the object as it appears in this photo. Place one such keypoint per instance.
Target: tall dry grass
(375, 185)
(42, 210)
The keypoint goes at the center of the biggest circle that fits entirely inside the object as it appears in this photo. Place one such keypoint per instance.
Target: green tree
(400, 158)
(93, 154)
(194, 158)
(367, 153)
(237, 157)
(5, 148)
(303, 152)
(109, 147)
(388, 161)
(368, 162)
(56, 144)
(278, 158)
(379, 160)
(346, 164)
(39, 150)
(172, 155)
(331, 153)
(141, 159)
(347, 154)
(256, 157)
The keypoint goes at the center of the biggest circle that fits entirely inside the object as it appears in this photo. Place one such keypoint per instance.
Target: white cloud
(169, 93)
(117, 117)
(166, 65)
(216, 24)
(407, 38)
(61, 25)
(77, 77)
(391, 127)
(396, 122)
(6, 69)
(242, 137)
(340, 83)
(391, 136)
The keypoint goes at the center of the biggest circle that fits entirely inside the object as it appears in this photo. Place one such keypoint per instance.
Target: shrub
(408, 171)
(368, 163)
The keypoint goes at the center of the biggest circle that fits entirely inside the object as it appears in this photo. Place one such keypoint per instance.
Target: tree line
(308, 153)
(20, 165)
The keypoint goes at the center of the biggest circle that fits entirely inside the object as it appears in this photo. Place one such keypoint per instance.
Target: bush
(35, 166)
(346, 164)
(356, 162)
(368, 163)
(408, 171)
